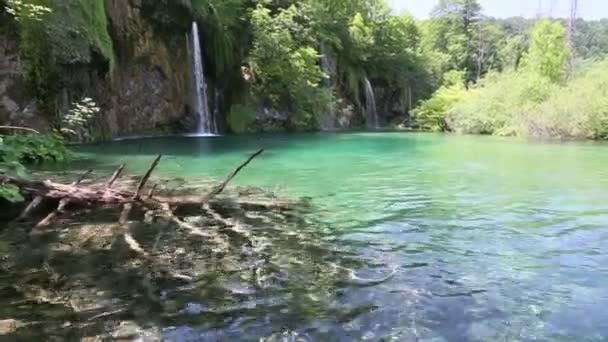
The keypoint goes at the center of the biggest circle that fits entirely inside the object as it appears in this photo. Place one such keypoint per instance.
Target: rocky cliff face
(149, 88)
(16, 107)
(146, 92)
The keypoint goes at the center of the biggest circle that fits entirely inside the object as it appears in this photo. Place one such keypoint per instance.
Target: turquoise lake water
(474, 238)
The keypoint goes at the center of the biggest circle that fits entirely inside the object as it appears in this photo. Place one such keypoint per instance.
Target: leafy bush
(431, 114)
(499, 104)
(33, 149)
(20, 10)
(17, 150)
(75, 121)
(576, 110)
(527, 104)
(10, 193)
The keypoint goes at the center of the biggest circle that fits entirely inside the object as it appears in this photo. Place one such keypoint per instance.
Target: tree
(284, 63)
(491, 39)
(453, 31)
(549, 50)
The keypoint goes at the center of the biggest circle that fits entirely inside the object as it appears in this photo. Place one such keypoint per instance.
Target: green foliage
(396, 58)
(23, 10)
(498, 104)
(74, 32)
(224, 21)
(549, 51)
(591, 38)
(17, 150)
(77, 29)
(454, 31)
(240, 118)
(42, 73)
(578, 109)
(10, 193)
(431, 114)
(285, 66)
(73, 123)
(362, 36)
(523, 103)
(36, 148)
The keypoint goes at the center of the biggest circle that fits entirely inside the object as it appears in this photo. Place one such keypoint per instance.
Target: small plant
(18, 9)
(17, 150)
(11, 193)
(73, 123)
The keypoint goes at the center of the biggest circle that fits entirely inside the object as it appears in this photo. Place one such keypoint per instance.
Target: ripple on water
(488, 239)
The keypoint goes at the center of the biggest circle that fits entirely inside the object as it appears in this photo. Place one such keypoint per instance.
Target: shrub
(17, 150)
(499, 104)
(431, 114)
(576, 110)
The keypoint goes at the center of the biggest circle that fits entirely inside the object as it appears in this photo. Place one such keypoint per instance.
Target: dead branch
(49, 218)
(16, 128)
(115, 176)
(220, 188)
(145, 178)
(104, 195)
(151, 192)
(63, 203)
(82, 178)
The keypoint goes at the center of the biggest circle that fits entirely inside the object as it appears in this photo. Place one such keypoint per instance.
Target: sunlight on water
(447, 238)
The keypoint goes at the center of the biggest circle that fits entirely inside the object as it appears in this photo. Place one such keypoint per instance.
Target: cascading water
(206, 123)
(370, 101)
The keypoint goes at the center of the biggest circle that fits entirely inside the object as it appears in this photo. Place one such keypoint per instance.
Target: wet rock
(9, 326)
(16, 108)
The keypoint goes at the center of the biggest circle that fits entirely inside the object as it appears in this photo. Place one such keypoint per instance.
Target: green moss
(77, 28)
(240, 118)
(75, 32)
(95, 20)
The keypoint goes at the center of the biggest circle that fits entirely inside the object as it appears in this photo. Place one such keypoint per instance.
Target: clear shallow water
(475, 238)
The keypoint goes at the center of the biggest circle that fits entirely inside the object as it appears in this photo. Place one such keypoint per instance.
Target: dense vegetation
(541, 80)
(489, 76)
(311, 57)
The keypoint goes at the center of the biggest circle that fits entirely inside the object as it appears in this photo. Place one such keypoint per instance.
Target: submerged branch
(220, 188)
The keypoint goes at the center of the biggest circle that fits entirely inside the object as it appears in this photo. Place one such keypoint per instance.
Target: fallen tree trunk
(105, 195)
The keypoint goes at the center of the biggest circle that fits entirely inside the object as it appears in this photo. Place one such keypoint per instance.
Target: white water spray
(370, 101)
(206, 123)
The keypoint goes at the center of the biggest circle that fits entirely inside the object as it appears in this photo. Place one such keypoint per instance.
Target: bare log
(145, 178)
(115, 176)
(220, 188)
(62, 204)
(78, 194)
(105, 195)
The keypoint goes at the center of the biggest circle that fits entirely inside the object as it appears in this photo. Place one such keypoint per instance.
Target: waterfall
(206, 123)
(370, 101)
